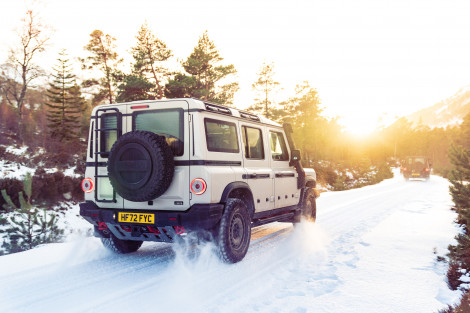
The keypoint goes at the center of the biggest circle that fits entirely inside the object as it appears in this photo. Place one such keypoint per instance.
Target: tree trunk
(157, 83)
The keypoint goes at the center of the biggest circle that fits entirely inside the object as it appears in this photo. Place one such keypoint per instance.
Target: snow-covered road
(372, 249)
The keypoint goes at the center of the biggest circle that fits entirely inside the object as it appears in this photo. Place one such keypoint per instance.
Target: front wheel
(120, 246)
(233, 233)
(309, 207)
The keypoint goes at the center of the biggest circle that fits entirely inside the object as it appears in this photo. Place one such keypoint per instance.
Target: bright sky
(369, 59)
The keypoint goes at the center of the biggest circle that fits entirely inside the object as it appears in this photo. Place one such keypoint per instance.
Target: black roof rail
(220, 108)
(215, 107)
(249, 116)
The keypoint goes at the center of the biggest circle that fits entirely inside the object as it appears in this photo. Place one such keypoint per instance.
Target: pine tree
(265, 86)
(104, 59)
(205, 74)
(135, 88)
(303, 112)
(464, 133)
(65, 102)
(28, 227)
(181, 86)
(459, 177)
(149, 55)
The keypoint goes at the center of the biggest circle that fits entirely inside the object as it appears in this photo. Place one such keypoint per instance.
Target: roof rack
(249, 116)
(217, 108)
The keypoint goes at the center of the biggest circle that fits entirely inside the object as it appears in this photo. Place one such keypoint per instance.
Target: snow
(442, 109)
(71, 172)
(373, 249)
(9, 169)
(16, 151)
(14, 170)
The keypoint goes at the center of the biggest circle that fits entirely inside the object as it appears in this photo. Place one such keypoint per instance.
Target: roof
(197, 104)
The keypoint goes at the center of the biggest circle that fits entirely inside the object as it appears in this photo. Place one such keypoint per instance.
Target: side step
(283, 217)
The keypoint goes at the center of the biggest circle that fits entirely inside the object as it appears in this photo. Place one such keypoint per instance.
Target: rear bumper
(416, 175)
(167, 223)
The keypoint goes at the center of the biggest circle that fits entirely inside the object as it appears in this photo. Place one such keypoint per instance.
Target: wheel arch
(310, 182)
(242, 191)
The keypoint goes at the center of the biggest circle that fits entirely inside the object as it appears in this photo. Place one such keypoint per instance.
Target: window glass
(168, 123)
(92, 143)
(108, 137)
(253, 143)
(221, 136)
(278, 147)
(419, 160)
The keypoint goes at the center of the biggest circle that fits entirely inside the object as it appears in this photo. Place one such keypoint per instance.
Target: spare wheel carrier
(140, 166)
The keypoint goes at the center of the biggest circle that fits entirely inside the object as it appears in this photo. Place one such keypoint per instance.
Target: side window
(221, 136)
(167, 123)
(278, 147)
(108, 137)
(253, 143)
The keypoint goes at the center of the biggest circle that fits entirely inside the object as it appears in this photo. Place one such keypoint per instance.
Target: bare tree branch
(20, 69)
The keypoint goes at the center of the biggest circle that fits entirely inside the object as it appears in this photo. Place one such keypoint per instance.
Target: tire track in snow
(278, 262)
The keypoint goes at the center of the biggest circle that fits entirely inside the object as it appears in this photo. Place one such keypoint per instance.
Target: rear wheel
(121, 246)
(233, 233)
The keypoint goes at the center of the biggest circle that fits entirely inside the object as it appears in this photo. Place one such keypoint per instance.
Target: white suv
(157, 170)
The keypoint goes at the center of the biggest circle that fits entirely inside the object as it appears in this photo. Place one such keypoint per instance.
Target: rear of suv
(416, 167)
(158, 170)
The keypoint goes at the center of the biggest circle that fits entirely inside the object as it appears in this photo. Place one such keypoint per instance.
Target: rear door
(108, 123)
(259, 174)
(285, 176)
(171, 120)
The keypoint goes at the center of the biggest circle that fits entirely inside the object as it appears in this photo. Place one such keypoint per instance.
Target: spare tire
(140, 166)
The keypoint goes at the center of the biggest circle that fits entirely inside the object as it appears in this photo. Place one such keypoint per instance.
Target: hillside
(449, 111)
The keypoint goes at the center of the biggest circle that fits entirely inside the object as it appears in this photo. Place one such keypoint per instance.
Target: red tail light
(102, 226)
(198, 186)
(179, 229)
(126, 228)
(153, 230)
(136, 107)
(87, 185)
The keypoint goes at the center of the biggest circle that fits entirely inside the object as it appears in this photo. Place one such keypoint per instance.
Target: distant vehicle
(416, 167)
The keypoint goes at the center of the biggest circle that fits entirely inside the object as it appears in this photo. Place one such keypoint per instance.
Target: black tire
(140, 166)
(309, 206)
(233, 233)
(121, 246)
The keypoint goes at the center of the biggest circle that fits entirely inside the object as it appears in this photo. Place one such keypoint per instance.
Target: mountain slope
(447, 112)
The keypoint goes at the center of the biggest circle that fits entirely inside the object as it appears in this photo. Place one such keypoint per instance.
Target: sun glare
(358, 127)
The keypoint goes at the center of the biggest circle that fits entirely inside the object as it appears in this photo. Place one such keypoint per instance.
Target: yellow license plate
(141, 218)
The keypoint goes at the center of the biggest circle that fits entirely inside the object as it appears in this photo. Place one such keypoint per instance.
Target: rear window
(167, 123)
(221, 136)
(412, 161)
(278, 147)
(109, 133)
(253, 143)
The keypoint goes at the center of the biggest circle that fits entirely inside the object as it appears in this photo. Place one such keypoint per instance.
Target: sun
(358, 126)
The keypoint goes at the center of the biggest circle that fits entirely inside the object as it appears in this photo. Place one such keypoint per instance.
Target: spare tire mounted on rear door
(140, 166)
